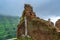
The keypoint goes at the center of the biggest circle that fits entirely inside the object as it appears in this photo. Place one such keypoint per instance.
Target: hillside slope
(8, 27)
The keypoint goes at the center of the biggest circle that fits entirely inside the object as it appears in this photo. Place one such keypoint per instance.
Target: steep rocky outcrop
(58, 24)
(38, 29)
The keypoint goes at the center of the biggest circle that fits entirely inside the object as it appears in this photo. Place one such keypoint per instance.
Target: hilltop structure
(38, 29)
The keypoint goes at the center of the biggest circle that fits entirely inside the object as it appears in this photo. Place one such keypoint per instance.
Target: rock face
(38, 28)
(28, 12)
(58, 24)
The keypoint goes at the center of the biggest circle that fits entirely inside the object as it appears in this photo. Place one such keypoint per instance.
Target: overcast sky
(43, 8)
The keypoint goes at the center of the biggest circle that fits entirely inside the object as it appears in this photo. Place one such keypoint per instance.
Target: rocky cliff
(38, 29)
(58, 24)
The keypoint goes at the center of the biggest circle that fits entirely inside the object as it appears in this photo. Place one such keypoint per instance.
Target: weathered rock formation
(38, 28)
(58, 24)
(28, 12)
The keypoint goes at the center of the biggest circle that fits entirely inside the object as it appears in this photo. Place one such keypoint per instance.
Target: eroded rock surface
(38, 29)
(58, 24)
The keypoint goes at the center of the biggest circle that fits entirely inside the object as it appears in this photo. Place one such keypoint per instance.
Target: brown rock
(58, 24)
(28, 12)
(38, 29)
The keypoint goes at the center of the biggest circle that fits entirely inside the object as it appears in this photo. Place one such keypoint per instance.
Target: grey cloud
(41, 7)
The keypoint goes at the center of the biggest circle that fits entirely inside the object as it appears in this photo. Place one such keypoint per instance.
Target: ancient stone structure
(38, 29)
